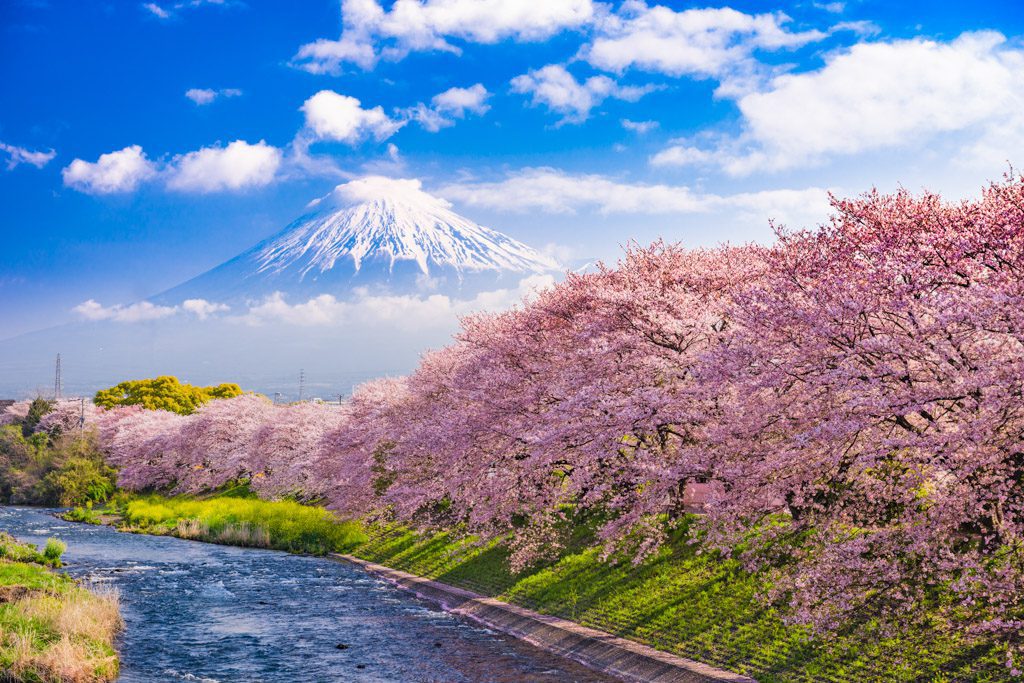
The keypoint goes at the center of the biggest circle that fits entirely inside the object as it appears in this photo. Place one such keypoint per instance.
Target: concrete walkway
(596, 649)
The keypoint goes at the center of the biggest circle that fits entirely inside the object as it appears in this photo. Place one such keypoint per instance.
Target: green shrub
(54, 550)
(84, 514)
(38, 408)
(65, 470)
(83, 479)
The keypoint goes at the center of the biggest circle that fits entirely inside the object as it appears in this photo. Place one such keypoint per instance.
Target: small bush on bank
(54, 550)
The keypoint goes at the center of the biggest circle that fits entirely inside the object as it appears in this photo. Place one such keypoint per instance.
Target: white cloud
(20, 155)
(203, 309)
(885, 95)
(457, 101)
(137, 312)
(330, 116)
(861, 28)
(370, 32)
(639, 127)
(407, 312)
(834, 7)
(156, 10)
(449, 105)
(559, 90)
(120, 171)
(717, 43)
(203, 96)
(236, 167)
(553, 191)
(167, 11)
(682, 155)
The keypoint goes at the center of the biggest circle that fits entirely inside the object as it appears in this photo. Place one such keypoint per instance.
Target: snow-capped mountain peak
(393, 219)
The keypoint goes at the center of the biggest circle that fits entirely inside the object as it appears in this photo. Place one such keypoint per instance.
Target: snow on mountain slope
(373, 232)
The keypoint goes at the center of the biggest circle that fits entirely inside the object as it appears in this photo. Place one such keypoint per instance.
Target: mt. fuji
(376, 233)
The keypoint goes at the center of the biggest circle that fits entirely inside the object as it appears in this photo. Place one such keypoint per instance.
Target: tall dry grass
(92, 614)
(71, 637)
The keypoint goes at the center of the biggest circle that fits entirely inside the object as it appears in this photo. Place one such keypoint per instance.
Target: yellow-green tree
(163, 393)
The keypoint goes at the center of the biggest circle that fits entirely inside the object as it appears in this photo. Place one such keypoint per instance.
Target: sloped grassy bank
(699, 605)
(51, 628)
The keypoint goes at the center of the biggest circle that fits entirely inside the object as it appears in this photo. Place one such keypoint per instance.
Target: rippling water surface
(202, 612)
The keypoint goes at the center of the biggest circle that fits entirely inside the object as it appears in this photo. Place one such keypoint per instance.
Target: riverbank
(51, 628)
(691, 603)
(234, 520)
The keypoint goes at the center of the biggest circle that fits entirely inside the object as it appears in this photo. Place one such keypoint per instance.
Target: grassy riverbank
(52, 629)
(239, 520)
(695, 604)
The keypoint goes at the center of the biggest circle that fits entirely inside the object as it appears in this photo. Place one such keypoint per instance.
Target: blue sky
(143, 143)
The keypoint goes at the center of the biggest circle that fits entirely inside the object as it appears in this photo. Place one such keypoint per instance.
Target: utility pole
(81, 416)
(56, 381)
(302, 383)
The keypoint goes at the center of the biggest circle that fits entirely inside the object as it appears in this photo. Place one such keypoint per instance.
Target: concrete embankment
(596, 649)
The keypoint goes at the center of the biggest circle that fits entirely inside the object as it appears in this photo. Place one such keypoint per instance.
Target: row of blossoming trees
(853, 393)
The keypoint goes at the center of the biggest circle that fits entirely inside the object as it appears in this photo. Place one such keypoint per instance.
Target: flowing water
(201, 612)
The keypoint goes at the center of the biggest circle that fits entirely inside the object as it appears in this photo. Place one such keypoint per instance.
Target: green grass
(52, 629)
(233, 520)
(697, 605)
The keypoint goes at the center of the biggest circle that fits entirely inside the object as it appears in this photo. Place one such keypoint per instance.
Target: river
(200, 612)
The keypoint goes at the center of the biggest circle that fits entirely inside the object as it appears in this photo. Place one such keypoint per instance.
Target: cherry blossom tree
(69, 415)
(215, 443)
(284, 455)
(875, 376)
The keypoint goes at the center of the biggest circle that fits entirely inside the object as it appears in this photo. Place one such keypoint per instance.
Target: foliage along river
(201, 612)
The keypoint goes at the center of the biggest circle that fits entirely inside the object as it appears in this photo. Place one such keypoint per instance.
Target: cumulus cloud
(408, 312)
(330, 116)
(238, 166)
(20, 155)
(203, 309)
(449, 105)
(880, 95)
(133, 313)
(143, 311)
(369, 32)
(203, 96)
(120, 171)
(713, 42)
(556, 88)
(553, 191)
